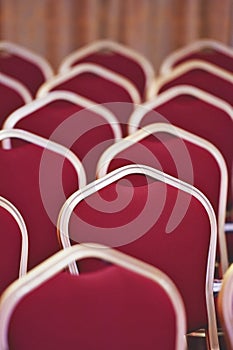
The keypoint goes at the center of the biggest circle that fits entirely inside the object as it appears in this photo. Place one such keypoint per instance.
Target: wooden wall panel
(54, 28)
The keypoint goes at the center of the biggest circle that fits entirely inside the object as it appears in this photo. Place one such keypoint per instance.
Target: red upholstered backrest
(102, 91)
(83, 131)
(200, 118)
(176, 157)
(23, 70)
(111, 309)
(206, 81)
(10, 249)
(139, 220)
(32, 181)
(10, 101)
(210, 55)
(119, 63)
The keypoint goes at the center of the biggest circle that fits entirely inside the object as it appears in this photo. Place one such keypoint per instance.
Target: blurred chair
(99, 85)
(203, 49)
(131, 305)
(24, 65)
(225, 309)
(13, 95)
(66, 118)
(37, 178)
(179, 154)
(198, 112)
(200, 74)
(13, 244)
(157, 218)
(117, 57)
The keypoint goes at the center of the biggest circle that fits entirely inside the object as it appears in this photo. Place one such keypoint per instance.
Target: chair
(196, 111)
(24, 65)
(182, 155)
(95, 310)
(224, 304)
(14, 244)
(71, 120)
(116, 57)
(13, 95)
(200, 74)
(203, 49)
(99, 85)
(37, 178)
(158, 219)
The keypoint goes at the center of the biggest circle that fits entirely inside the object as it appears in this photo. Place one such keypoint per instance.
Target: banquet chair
(116, 57)
(225, 298)
(37, 178)
(203, 49)
(66, 118)
(13, 95)
(27, 67)
(13, 244)
(198, 112)
(156, 218)
(99, 85)
(206, 76)
(93, 311)
(182, 155)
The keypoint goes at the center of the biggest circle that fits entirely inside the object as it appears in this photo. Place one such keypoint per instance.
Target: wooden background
(54, 28)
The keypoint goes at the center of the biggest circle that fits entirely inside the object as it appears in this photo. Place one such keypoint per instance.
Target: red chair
(37, 178)
(93, 311)
(225, 298)
(182, 155)
(200, 74)
(99, 85)
(13, 95)
(14, 244)
(66, 118)
(158, 219)
(200, 113)
(116, 57)
(24, 65)
(203, 49)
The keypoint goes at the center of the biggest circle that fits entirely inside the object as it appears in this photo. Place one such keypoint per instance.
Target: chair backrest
(66, 118)
(159, 219)
(129, 305)
(200, 74)
(13, 95)
(99, 85)
(204, 49)
(225, 309)
(182, 155)
(37, 178)
(20, 63)
(13, 244)
(196, 111)
(117, 57)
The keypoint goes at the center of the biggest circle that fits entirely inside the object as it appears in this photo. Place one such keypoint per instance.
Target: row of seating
(158, 147)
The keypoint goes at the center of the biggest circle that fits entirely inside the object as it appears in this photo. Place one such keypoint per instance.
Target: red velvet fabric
(10, 249)
(10, 101)
(120, 64)
(210, 55)
(134, 220)
(176, 157)
(202, 119)
(23, 70)
(30, 179)
(206, 81)
(83, 131)
(111, 309)
(102, 91)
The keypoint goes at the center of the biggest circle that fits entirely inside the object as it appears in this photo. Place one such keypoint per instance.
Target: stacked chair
(115, 197)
